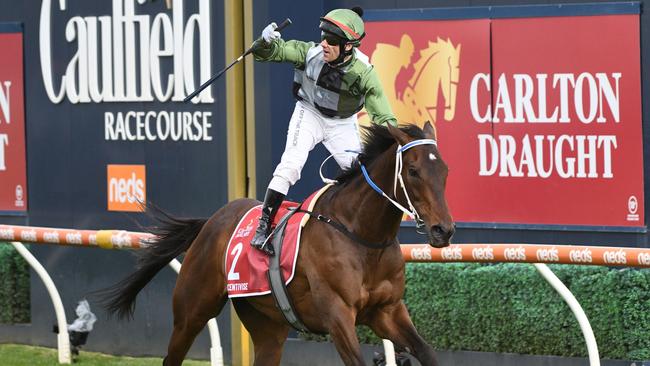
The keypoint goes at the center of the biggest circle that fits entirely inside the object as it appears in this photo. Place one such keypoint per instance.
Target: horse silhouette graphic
(412, 87)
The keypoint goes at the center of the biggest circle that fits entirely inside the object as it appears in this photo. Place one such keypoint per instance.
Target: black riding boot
(272, 201)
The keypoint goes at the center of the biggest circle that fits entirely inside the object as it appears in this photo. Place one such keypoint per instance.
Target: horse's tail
(173, 237)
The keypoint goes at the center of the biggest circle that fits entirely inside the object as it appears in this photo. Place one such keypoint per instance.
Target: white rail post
(63, 337)
(592, 346)
(216, 352)
(389, 352)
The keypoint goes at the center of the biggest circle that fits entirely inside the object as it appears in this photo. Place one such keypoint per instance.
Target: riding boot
(272, 201)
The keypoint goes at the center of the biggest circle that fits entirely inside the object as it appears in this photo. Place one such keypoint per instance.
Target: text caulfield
(563, 155)
(114, 37)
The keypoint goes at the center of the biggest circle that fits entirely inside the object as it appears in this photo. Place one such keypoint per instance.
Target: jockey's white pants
(307, 128)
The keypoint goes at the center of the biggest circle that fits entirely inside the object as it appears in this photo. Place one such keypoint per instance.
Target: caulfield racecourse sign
(118, 59)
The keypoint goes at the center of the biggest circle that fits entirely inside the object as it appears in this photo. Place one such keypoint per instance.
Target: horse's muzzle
(440, 235)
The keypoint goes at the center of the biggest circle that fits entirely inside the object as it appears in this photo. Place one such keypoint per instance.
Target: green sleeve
(282, 51)
(377, 104)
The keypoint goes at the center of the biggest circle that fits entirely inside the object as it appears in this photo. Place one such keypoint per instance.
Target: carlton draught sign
(13, 188)
(539, 119)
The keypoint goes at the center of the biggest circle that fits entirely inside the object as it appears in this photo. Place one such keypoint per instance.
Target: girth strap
(340, 227)
(278, 287)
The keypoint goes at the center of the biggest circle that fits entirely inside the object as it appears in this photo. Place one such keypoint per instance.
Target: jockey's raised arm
(333, 81)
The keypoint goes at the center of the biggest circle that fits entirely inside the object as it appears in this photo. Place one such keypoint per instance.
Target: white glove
(269, 34)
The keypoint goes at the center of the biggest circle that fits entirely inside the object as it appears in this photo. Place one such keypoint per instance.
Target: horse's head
(425, 176)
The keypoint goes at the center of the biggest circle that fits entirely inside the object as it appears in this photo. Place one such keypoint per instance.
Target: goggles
(331, 39)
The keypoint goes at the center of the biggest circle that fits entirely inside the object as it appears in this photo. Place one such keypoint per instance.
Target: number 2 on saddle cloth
(247, 267)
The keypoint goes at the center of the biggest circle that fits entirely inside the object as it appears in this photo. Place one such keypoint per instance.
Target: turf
(20, 355)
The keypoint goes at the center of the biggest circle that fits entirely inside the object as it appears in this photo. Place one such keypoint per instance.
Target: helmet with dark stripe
(345, 24)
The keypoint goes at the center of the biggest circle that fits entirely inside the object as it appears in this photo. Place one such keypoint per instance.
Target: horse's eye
(413, 172)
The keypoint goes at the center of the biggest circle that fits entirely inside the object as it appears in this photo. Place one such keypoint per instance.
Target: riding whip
(280, 27)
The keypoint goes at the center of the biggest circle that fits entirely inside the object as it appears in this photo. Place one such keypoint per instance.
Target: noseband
(411, 212)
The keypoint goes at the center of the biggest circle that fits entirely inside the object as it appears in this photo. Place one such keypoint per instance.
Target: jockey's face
(331, 47)
(330, 51)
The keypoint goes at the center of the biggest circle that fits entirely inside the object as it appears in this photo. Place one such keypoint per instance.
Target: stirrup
(266, 247)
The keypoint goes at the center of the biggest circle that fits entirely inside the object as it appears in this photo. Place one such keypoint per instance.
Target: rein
(412, 212)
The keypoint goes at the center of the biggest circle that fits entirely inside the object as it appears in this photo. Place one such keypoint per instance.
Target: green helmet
(346, 24)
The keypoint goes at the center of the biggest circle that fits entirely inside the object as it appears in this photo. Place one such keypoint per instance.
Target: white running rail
(551, 278)
(63, 338)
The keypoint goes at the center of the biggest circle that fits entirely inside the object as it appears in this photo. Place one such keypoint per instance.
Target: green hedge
(510, 308)
(14, 286)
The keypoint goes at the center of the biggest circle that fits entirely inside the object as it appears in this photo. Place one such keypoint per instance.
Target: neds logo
(422, 253)
(126, 187)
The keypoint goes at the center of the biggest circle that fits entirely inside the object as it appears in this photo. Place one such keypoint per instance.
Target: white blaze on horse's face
(432, 156)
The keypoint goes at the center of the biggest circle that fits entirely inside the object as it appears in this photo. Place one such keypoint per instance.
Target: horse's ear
(400, 136)
(429, 130)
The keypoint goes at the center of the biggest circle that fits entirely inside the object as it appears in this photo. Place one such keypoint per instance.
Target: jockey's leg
(342, 140)
(272, 201)
(303, 134)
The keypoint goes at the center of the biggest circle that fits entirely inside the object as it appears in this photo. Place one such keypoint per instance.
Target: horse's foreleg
(340, 323)
(268, 336)
(394, 323)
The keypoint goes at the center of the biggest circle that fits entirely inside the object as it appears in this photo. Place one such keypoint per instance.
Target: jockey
(333, 81)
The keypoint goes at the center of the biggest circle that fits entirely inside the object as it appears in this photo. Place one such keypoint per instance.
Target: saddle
(250, 272)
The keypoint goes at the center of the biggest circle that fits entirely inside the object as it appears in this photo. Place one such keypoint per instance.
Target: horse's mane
(376, 139)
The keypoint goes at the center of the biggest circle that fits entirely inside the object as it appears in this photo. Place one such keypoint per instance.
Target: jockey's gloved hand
(269, 34)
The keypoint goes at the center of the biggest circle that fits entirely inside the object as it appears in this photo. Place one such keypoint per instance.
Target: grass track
(20, 355)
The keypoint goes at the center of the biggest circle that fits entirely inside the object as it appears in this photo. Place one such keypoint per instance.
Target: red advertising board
(13, 187)
(539, 119)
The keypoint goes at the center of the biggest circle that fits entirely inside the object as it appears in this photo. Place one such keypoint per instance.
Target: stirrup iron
(266, 246)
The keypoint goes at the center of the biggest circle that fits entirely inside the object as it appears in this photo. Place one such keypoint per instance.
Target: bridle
(411, 211)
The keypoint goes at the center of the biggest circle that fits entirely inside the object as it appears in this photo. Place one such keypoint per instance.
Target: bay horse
(338, 282)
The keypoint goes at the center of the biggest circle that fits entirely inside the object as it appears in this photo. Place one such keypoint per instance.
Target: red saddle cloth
(247, 267)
